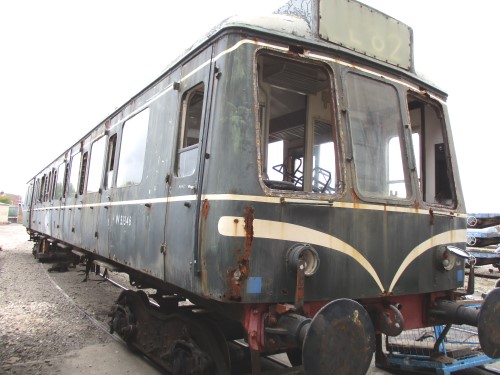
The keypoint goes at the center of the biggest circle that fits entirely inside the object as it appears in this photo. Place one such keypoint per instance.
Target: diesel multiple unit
(292, 178)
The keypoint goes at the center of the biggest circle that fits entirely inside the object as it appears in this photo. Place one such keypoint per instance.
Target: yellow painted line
(234, 226)
(445, 238)
(261, 199)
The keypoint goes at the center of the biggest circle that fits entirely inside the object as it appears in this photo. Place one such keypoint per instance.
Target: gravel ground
(46, 316)
(53, 323)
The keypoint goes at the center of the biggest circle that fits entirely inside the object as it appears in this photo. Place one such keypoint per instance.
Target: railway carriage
(292, 177)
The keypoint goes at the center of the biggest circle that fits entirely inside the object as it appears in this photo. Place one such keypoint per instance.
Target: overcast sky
(65, 65)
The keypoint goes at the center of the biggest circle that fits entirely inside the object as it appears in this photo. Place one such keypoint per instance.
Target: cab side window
(431, 151)
(189, 134)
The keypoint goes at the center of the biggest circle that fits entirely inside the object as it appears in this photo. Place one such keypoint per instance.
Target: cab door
(185, 181)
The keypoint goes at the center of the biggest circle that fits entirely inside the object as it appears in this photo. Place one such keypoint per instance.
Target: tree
(6, 200)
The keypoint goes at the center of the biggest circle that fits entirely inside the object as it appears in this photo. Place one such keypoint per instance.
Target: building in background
(4, 213)
(13, 210)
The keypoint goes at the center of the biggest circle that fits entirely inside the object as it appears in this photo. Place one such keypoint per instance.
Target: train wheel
(210, 339)
(143, 296)
(123, 320)
(294, 356)
(340, 340)
(197, 346)
(181, 342)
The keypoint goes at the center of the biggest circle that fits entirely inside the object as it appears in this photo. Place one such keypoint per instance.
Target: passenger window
(37, 190)
(377, 138)
(48, 187)
(83, 171)
(189, 134)
(75, 168)
(431, 151)
(110, 165)
(96, 165)
(66, 176)
(53, 185)
(42, 188)
(298, 136)
(59, 190)
(28, 196)
(133, 149)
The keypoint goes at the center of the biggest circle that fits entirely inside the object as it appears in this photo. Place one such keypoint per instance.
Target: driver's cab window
(298, 136)
(431, 152)
(378, 143)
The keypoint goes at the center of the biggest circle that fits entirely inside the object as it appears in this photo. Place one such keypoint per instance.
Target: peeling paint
(237, 276)
(206, 207)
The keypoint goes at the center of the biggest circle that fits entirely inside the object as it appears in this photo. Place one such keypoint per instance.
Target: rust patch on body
(238, 275)
(206, 207)
(203, 235)
(249, 216)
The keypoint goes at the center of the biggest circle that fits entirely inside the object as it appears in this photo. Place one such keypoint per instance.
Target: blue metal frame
(422, 364)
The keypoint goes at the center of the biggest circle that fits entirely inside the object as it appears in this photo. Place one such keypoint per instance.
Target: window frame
(83, 173)
(91, 164)
(420, 164)
(182, 149)
(41, 190)
(309, 138)
(403, 135)
(74, 173)
(119, 157)
(111, 162)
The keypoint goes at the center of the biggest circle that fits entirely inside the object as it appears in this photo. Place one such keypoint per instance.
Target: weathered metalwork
(480, 220)
(273, 177)
(483, 238)
(340, 331)
(488, 327)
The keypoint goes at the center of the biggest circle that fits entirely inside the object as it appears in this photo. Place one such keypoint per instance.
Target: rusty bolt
(236, 221)
(253, 334)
